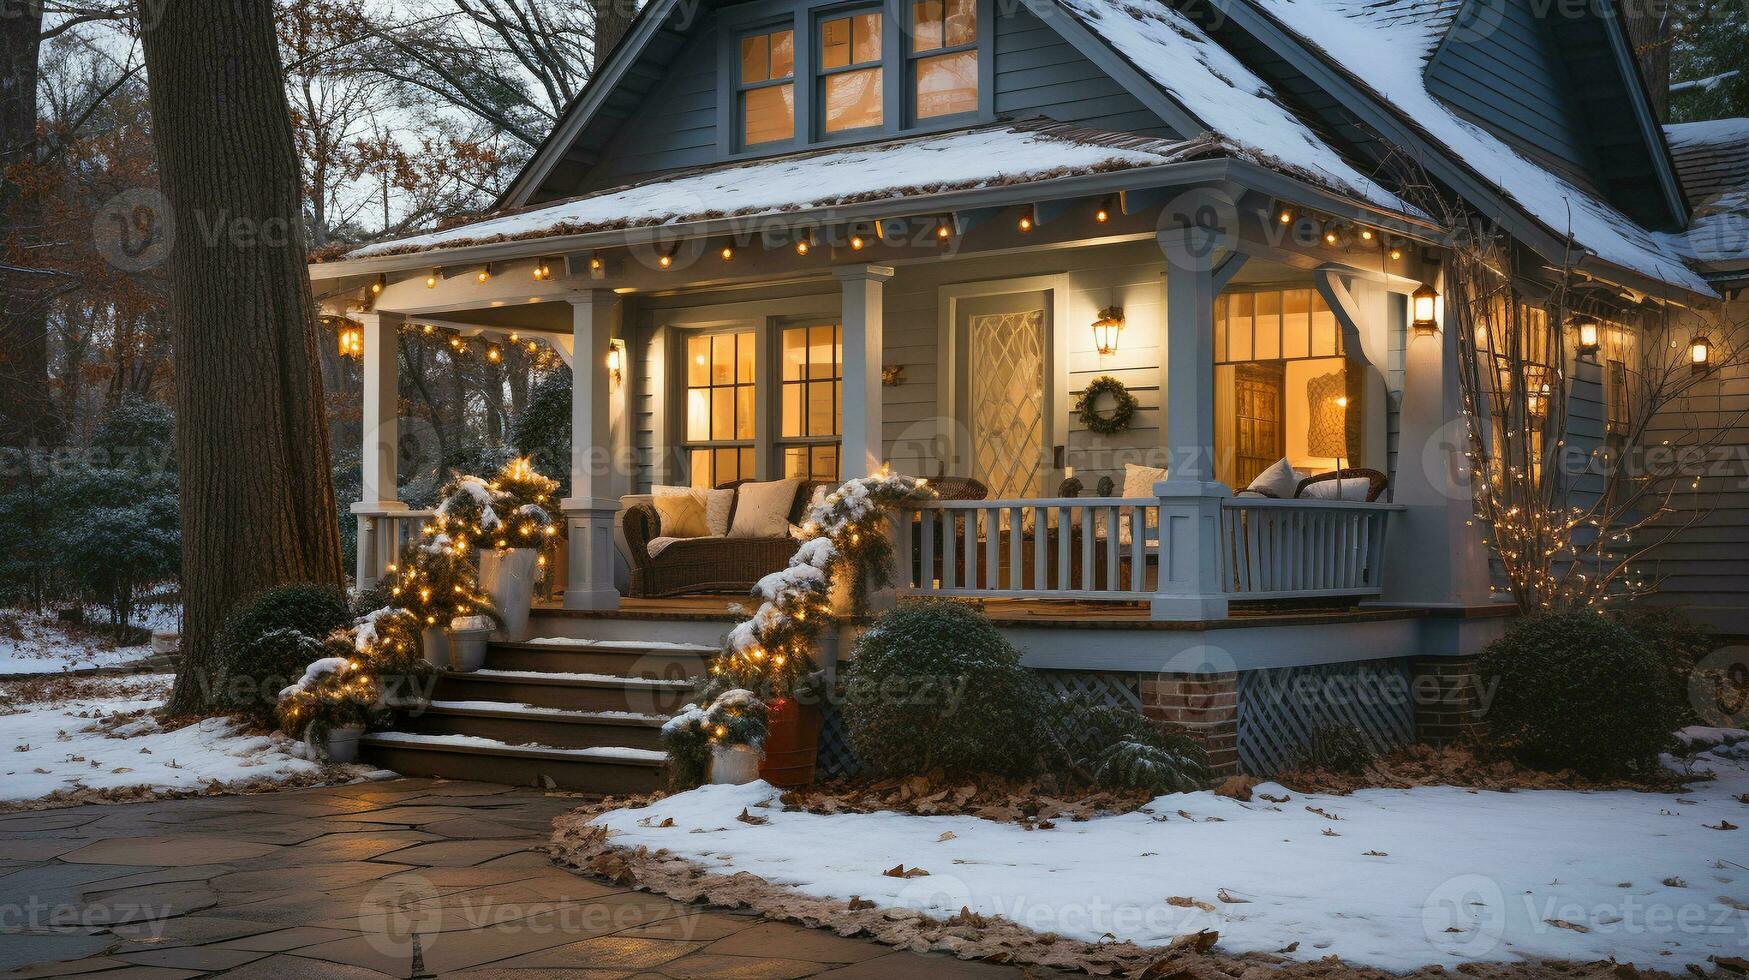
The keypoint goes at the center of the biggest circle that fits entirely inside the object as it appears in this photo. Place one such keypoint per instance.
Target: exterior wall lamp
(1107, 328)
(1700, 354)
(1588, 343)
(615, 357)
(1424, 304)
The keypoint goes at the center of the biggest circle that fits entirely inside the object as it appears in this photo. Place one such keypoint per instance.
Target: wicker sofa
(693, 565)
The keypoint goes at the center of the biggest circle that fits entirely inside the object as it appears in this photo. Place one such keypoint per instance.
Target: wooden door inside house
(1257, 424)
(1007, 363)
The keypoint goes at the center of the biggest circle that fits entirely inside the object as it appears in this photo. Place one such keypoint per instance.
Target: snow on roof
(987, 156)
(1712, 158)
(1220, 91)
(1385, 45)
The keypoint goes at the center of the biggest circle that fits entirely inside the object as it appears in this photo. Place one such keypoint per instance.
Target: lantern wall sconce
(1588, 340)
(1107, 328)
(615, 363)
(893, 375)
(1424, 305)
(1700, 354)
(351, 340)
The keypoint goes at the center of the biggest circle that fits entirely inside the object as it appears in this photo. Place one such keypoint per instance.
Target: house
(794, 238)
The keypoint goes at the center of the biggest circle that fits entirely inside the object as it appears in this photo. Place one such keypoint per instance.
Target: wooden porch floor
(1047, 613)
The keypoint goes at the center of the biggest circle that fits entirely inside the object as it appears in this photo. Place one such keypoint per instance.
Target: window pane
(1324, 342)
(744, 358)
(744, 411)
(746, 470)
(962, 22)
(866, 35)
(698, 414)
(698, 360)
(795, 462)
(701, 468)
(795, 353)
(723, 359)
(926, 25)
(722, 413)
(822, 352)
(768, 114)
(825, 463)
(853, 100)
(728, 468)
(835, 43)
(947, 84)
(783, 54)
(792, 410)
(820, 398)
(755, 58)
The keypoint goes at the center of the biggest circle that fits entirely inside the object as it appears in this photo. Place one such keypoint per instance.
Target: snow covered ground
(1395, 879)
(32, 644)
(99, 734)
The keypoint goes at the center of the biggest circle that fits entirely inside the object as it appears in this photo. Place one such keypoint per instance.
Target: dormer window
(944, 57)
(851, 95)
(767, 88)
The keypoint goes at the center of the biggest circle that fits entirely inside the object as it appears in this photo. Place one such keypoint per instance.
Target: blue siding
(675, 127)
(1500, 65)
(1040, 74)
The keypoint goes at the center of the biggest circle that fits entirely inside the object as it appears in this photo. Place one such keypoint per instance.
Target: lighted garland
(436, 581)
(735, 717)
(357, 682)
(845, 533)
(1122, 414)
(514, 509)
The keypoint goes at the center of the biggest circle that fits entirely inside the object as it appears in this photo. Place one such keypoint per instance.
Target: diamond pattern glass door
(1008, 402)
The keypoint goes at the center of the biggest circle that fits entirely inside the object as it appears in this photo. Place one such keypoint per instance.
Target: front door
(1007, 344)
(1257, 430)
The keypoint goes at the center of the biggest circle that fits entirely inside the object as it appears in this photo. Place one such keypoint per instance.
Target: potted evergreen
(721, 743)
(435, 581)
(512, 516)
(330, 707)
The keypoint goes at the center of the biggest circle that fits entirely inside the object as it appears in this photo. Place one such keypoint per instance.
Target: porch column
(1189, 585)
(590, 509)
(1434, 556)
(380, 447)
(860, 453)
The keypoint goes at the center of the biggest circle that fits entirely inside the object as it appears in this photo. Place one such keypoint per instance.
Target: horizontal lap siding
(1040, 74)
(675, 127)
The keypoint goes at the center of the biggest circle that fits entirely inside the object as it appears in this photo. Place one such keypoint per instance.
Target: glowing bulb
(727, 253)
(431, 280)
(857, 243)
(665, 260)
(1026, 222)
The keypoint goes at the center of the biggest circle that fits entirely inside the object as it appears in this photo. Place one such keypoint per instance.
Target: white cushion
(762, 509)
(1280, 480)
(659, 545)
(718, 505)
(1353, 488)
(1138, 481)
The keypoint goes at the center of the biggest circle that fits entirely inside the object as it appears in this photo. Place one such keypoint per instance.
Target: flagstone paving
(410, 877)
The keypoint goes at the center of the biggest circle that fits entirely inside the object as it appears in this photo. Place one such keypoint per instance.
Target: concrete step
(574, 691)
(700, 629)
(615, 770)
(522, 724)
(625, 658)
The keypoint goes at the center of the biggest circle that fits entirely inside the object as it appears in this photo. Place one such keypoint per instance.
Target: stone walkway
(363, 882)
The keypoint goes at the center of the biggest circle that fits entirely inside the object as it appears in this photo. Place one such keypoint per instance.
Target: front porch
(955, 343)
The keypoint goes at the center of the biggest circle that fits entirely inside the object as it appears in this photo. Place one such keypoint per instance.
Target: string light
(1026, 221)
(727, 252)
(1103, 214)
(484, 274)
(431, 278)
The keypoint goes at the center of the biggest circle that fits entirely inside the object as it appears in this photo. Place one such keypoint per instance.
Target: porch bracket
(1341, 303)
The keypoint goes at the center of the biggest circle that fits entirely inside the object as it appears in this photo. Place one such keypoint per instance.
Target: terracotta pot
(734, 764)
(507, 576)
(792, 742)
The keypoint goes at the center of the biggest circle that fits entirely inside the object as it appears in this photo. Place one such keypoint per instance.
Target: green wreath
(1122, 413)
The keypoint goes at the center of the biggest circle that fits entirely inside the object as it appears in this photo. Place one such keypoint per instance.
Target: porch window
(850, 71)
(720, 393)
(812, 416)
(1282, 386)
(1620, 348)
(944, 57)
(767, 88)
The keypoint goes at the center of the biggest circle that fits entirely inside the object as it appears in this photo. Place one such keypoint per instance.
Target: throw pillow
(718, 505)
(1280, 481)
(682, 510)
(762, 509)
(1138, 481)
(1353, 488)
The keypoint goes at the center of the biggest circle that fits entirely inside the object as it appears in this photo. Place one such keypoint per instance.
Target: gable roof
(1384, 46)
(1713, 158)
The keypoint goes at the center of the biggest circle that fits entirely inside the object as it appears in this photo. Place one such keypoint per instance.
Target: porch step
(598, 770)
(686, 628)
(573, 691)
(626, 658)
(525, 724)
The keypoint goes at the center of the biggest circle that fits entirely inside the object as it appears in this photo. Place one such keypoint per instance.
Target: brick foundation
(1205, 705)
(1448, 705)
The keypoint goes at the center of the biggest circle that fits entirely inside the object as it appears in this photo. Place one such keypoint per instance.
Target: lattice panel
(835, 759)
(1279, 709)
(1008, 402)
(1117, 690)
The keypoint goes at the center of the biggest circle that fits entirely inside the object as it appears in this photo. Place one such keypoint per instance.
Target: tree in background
(257, 503)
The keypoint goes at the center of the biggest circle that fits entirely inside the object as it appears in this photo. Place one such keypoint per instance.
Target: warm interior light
(1425, 304)
(1107, 328)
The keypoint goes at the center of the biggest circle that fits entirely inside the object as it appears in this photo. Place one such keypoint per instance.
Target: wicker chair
(1375, 481)
(693, 565)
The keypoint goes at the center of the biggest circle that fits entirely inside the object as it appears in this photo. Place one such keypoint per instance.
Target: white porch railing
(381, 536)
(1109, 549)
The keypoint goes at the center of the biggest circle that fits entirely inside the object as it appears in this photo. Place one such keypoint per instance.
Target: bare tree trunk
(26, 410)
(257, 510)
(612, 17)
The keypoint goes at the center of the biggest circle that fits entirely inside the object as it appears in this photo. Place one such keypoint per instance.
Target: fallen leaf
(1564, 924)
(1374, 854)
(858, 903)
(1290, 947)
(1321, 813)
(746, 817)
(1723, 825)
(1181, 902)
(1330, 833)
(900, 871)
(1236, 788)
(1735, 964)
(1231, 899)
(1275, 799)
(945, 836)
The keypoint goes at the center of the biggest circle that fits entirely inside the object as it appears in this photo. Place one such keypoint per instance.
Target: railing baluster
(902, 571)
(993, 547)
(926, 577)
(1138, 548)
(971, 532)
(1016, 566)
(949, 545)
